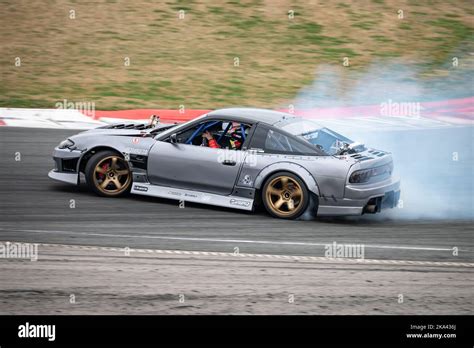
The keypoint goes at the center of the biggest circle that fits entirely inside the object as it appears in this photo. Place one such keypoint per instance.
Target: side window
(273, 141)
(219, 134)
(186, 136)
(277, 142)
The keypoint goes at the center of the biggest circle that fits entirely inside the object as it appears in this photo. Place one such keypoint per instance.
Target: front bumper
(70, 178)
(66, 166)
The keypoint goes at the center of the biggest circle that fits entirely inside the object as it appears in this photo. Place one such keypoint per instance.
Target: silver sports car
(237, 158)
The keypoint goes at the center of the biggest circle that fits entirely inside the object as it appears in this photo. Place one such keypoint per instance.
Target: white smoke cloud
(435, 165)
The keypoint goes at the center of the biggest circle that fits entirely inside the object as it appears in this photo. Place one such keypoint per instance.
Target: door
(186, 164)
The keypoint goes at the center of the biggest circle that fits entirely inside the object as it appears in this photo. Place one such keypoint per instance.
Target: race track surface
(37, 209)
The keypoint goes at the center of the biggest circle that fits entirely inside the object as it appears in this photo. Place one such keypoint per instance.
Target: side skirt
(192, 196)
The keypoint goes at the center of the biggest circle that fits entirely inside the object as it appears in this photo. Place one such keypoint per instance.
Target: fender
(137, 145)
(95, 148)
(294, 168)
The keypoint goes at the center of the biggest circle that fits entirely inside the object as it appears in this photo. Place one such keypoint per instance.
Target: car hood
(127, 129)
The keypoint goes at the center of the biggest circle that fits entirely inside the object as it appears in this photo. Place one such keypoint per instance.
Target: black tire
(118, 184)
(292, 199)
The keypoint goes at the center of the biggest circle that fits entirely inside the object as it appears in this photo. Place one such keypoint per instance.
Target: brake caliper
(105, 167)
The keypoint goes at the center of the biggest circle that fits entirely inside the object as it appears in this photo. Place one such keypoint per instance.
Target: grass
(190, 61)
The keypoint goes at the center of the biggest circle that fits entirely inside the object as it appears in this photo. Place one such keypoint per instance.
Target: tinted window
(273, 141)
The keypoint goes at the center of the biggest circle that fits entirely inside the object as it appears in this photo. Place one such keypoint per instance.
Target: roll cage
(249, 141)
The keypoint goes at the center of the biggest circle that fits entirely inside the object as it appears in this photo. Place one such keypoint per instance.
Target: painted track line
(217, 240)
(315, 259)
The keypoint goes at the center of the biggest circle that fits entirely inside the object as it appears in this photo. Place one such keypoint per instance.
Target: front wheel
(108, 174)
(285, 195)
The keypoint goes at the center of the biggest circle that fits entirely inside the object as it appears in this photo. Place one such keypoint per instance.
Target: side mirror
(173, 138)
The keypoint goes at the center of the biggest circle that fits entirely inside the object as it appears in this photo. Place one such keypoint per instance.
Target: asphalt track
(34, 208)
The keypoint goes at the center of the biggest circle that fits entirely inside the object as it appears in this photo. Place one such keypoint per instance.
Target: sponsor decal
(136, 151)
(239, 202)
(140, 188)
(247, 180)
(174, 193)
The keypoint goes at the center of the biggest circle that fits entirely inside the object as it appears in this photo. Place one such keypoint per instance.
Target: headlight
(362, 176)
(66, 144)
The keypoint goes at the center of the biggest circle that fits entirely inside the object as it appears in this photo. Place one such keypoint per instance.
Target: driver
(211, 142)
(235, 139)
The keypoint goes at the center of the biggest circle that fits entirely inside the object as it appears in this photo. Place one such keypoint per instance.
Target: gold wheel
(111, 175)
(284, 196)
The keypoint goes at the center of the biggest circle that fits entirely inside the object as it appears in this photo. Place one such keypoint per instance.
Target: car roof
(252, 115)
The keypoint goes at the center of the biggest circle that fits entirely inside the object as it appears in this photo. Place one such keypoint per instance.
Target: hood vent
(137, 126)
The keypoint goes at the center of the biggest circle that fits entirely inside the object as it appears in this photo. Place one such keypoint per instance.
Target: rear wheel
(285, 195)
(108, 174)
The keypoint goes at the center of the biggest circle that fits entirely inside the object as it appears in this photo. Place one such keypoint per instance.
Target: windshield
(329, 141)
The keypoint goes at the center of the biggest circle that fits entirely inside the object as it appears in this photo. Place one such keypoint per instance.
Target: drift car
(236, 158)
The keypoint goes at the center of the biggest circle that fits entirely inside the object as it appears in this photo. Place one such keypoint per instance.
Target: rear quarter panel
(323, 175)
